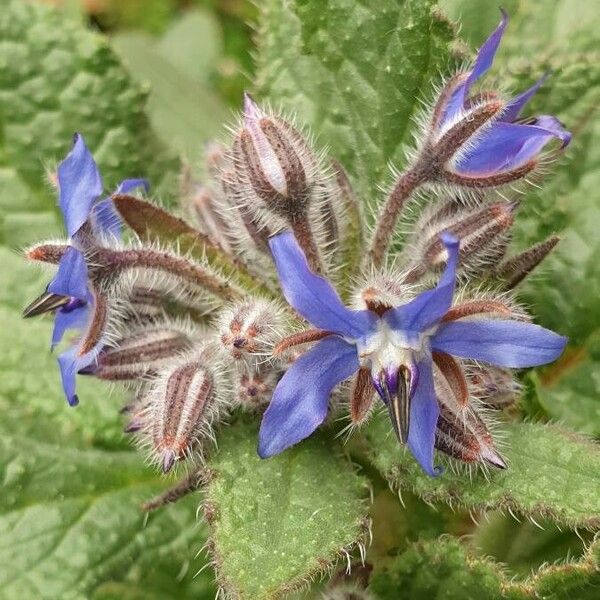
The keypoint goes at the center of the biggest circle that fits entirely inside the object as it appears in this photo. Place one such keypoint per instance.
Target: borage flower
(503, 148)
(88, 220)
(398, 346)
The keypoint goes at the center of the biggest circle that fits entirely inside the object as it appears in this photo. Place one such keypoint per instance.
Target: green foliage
(440, 569)
(177, 69)
(356, 73)
(278, 524)
(551, 473)
(57, 78)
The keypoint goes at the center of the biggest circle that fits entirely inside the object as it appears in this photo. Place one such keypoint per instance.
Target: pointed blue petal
(424, 412)
(70, 363)
(300, 400)
(68, 372)
(106, 219)
(430, 306)
(79, 185)
(73, 319)
(312, 295)
(516, 105)
(128, 185)
(487, 53)
(483, 62)
(506, 146)
(512, 344)
(71, 279)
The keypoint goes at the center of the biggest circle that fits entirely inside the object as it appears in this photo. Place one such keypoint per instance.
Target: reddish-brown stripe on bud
(362, 396)
(183, 406)
(466, 437)
(142, 353)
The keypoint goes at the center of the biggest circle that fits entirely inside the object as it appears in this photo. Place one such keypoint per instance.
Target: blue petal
(73, 319)
(107, 220)
(512, 344)
(487, 53)
(313, 296)
(68, 372)
(430, 306)
(300, 400)
(483, 62)
(127, 185)
(424, 412)
(71, 278)
(516, 105)
(79, 184)
(70, 363)
(506, 146)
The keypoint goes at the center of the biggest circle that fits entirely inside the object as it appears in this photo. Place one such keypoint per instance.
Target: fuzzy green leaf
(551, 473)
(356, 72)
(278, 523)
(442, 569)
(56, 78)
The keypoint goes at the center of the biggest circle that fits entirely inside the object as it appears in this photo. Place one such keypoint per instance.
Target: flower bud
(483, 234)
(249, 330)
(466, 438)
(184, 401)
(494, 387)
(275, 161)
(143, 351)
(254, 390)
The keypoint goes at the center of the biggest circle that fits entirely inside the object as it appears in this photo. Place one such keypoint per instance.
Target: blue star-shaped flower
(80, 187)
(396, 346)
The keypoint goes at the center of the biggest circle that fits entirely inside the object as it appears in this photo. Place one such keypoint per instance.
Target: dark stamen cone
(44, 303)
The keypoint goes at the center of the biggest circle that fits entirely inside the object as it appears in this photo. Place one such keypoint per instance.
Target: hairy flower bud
(275, 160)
(253, 390)
(184, 400)
(494, 387)
(143, 351)
(276, 174)
(249, 330)
(483, 234)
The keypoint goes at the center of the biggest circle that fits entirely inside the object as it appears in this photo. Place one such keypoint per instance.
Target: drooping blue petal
(72, 319)
(106, 219)
(504, 343)
(71, 279)
(70, 363)
(79, 184)
(312, 295)
(68, 372)
(300, 400)
(516, 105)
(424, 412)
(483, 62)
(505, 146)
(430, 306)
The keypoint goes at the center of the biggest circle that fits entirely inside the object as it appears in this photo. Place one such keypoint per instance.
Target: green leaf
(551, 473)
(442, 569)
(176, 69)
(524, 546)
(70, 522)
(356, 72)
(57, 78)
(277, 524)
